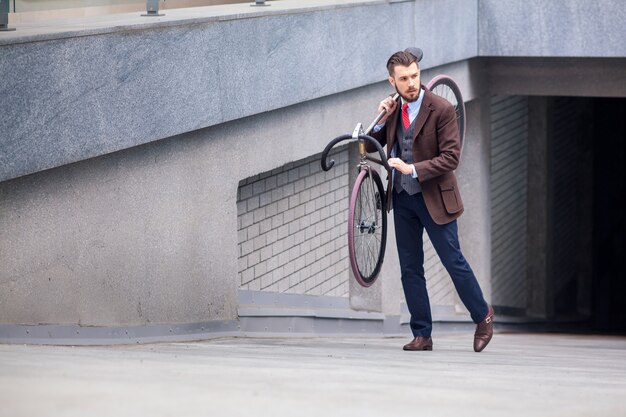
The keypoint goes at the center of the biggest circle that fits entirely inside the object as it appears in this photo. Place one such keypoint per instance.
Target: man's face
(406, 80)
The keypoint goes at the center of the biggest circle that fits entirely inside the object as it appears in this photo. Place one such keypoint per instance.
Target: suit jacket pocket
(451, 198)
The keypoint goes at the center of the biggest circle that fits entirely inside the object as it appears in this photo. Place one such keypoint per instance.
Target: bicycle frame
(359, 135)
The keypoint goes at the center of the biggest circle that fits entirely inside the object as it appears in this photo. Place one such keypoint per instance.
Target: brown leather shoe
(484, 332)
(419, 343)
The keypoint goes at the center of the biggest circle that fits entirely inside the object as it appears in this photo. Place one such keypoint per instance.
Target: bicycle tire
(444, 86)
(367, 227)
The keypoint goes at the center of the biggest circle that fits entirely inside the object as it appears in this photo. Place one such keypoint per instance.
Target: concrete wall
(73, 93)
(559, 28)
(148, 234)
(74, 97)
(123, 144)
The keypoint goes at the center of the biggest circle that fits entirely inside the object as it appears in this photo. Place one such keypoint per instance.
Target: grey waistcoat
(404, 145)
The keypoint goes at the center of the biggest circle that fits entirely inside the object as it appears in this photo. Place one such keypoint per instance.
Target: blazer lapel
(391, 128)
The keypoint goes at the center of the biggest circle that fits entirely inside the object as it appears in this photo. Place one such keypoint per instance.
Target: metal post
(4, 16)
(152, 8)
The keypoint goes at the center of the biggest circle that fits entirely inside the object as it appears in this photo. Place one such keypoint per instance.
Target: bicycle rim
(445, 87)
(367, 227)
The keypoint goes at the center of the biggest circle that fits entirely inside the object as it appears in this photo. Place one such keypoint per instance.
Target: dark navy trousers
(411, 217)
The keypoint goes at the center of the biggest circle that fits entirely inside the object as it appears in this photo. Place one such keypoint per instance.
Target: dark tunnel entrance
(585, 194)
(609, 225)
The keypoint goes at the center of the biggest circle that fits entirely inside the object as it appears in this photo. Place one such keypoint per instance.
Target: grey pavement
(518, 374)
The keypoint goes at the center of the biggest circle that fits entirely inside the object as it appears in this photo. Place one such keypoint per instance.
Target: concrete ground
(517, 375)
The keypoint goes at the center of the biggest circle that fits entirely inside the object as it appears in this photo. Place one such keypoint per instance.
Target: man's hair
(400, 58)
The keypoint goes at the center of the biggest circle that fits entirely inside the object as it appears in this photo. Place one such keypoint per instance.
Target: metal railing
(33, 11)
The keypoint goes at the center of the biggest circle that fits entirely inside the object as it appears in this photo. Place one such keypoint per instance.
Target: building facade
(160, 179)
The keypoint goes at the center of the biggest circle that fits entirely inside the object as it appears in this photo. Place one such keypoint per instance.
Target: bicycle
(367, 218)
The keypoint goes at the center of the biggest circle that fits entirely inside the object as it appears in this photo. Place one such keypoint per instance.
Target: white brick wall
(292, 229)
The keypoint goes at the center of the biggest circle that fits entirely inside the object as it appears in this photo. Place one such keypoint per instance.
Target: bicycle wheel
(444, 86)
(367, 227)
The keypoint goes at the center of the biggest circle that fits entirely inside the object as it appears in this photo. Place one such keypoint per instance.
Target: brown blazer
(436, 152)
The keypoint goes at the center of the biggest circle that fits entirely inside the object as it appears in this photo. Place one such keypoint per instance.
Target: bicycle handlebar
(365, 136)
(327, 167)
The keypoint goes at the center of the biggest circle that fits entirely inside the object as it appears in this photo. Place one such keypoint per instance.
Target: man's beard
(408, 99)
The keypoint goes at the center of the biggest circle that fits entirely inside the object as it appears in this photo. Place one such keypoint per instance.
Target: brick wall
(292, 229)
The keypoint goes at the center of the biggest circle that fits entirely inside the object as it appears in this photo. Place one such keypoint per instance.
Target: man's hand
(388, 105)
(400, 165)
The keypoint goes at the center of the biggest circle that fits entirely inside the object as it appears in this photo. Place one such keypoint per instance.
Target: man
(422, 138)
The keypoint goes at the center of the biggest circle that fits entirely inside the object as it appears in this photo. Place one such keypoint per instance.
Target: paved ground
(517, 375)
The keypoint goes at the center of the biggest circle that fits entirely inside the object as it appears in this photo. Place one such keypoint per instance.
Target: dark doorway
(586, 194)
(609, 209)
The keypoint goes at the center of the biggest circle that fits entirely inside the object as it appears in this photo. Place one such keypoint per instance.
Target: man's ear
(392, 82)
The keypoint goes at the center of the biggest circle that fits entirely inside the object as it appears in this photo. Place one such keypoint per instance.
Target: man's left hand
(400, 165)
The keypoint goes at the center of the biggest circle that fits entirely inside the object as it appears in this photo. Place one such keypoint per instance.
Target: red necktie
(405, 115)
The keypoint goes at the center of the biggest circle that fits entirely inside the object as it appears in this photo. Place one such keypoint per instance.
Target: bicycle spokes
(367, 227)
(447, 88)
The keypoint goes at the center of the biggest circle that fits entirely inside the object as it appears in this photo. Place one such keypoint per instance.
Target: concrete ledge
(295, 312)
(586, 77)
(254, 322)
(260, 314)
(80, 88)
(279, 313)
(258, 303)
(95, 88)
(73, 335)
(133, 21)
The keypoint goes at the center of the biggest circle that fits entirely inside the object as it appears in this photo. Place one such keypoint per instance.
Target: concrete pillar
(4, 16)
(393, 295)
(361, 298)
(540, 297)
